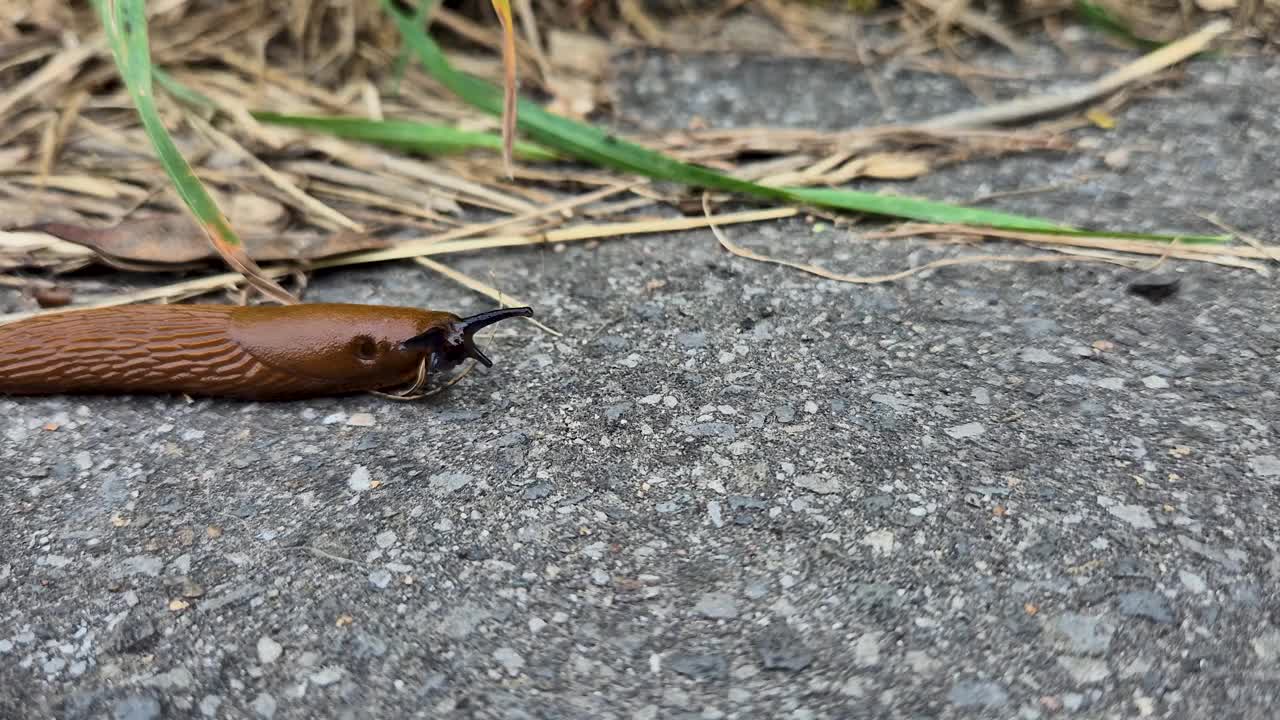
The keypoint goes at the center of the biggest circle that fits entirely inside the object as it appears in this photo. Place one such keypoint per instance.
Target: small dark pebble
(877, 504)
(474, 553)
(1095, 593)
(743, 519)
(871, 595)
(781, 648)
(133, 635)
(1012, 460)
(538, 491)
(1128, 567)
(650, 311)
(699, 666)
(744, 502)
(576, 498)
(171, 505)
(1153, 681)
(1155, 288)
(1146, 604)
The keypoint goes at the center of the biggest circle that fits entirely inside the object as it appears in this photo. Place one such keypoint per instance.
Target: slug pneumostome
(277, 352)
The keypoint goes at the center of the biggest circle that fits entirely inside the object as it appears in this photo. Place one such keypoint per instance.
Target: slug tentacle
(256, 353)
(455, 342)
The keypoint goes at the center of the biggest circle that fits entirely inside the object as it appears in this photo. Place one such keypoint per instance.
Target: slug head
(453, 342)
(343, 346)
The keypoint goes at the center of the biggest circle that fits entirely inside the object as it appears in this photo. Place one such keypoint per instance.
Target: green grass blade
(402, 58)
(405, 135)
(125, 24)
(918, 209)
(1101, 19)
(572, 138)
(590, 144)
(935, 212)
(125, 21)
(182, 92)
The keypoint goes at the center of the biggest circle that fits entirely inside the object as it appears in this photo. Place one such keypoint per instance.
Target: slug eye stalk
(453, 343)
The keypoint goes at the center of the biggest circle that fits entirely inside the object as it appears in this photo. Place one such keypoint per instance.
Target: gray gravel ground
(730, 490)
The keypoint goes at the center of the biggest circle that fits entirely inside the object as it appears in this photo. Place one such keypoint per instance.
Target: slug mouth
(452, 343)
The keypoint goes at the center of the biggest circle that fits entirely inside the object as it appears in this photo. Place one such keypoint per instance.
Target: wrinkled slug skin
(253, 353)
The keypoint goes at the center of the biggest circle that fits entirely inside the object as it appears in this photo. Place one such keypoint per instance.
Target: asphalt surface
(730, 490)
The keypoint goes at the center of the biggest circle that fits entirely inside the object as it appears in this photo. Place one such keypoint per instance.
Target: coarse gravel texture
(730, 490)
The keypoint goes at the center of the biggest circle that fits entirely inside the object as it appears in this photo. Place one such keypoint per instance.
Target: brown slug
(278, 352)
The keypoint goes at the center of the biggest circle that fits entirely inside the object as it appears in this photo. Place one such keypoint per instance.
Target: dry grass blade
(1225, 255)
(305, 201)
(63, 63)
(503, 8)
(821, 272)
(465, 280)
(958, 12)
(1270, 251)
(1034, 106)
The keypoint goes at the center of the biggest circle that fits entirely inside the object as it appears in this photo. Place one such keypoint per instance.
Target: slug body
(251, 353)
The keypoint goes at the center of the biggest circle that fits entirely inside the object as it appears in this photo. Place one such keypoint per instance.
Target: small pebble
(967, 430)
(1146, 604)
(717, 606)
(209, 706)
(359, 480)
(1155, 382)
(978, 693)
(269, 650)
(1265, 465)
(1118, 159)
(1193, 582)
(715, 512)
(509, 659)
(265, 706)
(327, 676)
(817, 484)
